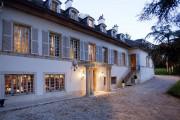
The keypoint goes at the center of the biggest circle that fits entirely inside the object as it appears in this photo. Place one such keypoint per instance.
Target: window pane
(21, 39)
(54, 82)
(18, 84)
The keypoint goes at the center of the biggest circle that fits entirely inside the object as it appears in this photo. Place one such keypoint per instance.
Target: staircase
(128, 79)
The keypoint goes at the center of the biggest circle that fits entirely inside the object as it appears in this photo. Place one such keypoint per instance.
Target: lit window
(21, 39)
(18, 84)
(75, 50)
(54, 82)
(92, 52)
(54, 44)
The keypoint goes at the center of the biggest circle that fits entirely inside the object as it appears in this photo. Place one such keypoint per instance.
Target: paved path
(147, 101)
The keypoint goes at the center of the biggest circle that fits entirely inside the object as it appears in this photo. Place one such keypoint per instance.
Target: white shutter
(45, 43)
(34, 41)
(82, 51)
(7, 36)
(65, 47)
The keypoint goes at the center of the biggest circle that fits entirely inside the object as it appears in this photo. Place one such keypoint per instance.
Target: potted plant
(135, 79)
(123, 83)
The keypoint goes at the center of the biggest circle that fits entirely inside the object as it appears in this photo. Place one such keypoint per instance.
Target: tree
(167, 50)
(162, 34)
(164, 10)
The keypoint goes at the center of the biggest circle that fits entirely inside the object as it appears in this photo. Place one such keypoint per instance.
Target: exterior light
(82, 75)
(75, 64)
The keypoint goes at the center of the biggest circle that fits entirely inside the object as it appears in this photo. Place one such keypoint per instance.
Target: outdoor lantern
(75, 64)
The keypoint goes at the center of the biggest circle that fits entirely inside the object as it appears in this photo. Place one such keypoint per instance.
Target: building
(46, 49)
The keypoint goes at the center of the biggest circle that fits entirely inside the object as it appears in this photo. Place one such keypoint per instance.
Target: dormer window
(73, 13)
(55, 6)
(103, 29)
(90, 23)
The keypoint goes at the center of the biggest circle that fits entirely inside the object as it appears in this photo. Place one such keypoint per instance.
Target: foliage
(175, 90)
(161, 71)
(164, 10)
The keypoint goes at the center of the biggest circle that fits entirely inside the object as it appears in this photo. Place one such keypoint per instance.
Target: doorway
(133, 61)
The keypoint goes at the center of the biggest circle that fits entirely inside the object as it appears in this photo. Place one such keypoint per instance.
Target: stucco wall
(146, 72)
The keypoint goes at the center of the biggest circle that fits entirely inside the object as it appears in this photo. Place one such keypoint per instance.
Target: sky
(124, 13)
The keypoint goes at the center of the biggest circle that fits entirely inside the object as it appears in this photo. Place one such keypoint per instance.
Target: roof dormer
(71, 12)
(113, 32)
(101, 24)
(54, 5)
(89, 21)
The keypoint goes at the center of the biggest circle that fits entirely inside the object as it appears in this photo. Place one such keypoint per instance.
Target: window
(73, 15)
(21, 39)
(115, 57)
(113, 80)
(92, 52)
(147, 61)
(75, 49)
(105, 55)
(18, 84)
(103, 29)
(54, 82)
(54, 44)
(91, 23)
(54, 6)
(123, 59)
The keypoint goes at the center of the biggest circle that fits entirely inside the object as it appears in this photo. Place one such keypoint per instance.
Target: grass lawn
(175, 90)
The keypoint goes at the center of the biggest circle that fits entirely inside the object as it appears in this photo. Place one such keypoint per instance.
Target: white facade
(75, 81)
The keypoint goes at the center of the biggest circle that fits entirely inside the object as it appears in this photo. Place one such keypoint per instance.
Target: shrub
(175, 90)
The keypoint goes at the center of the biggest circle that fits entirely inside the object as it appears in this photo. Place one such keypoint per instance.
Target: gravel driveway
(147, 101)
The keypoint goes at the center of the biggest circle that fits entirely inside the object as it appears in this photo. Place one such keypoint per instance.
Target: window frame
(54, 82)
(105, 56)
(72, 40)
(19, 84)
(60, 43)
(29, 36)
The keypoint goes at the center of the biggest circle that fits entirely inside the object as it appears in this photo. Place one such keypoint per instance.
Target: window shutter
(86, 51)
(100, 54)
(45, 43)
(97, 54)
(82, 51)
(66, 47)
(112, 56)
(137, 59)
(109, 56)
(119, 58)
(7, 36)
(34, 41)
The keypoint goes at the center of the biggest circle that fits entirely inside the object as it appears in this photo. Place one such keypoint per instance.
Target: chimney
(68, 4)
(101, 20)
(116, 27)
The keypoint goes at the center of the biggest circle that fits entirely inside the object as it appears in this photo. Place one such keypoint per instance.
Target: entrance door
(133, 62)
